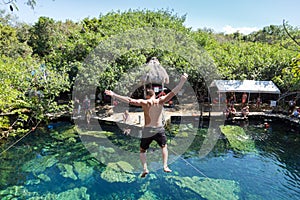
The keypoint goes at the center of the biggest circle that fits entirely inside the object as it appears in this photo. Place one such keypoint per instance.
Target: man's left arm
(175, 90)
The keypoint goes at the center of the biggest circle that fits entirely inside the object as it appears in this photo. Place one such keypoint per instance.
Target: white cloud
(244, 30)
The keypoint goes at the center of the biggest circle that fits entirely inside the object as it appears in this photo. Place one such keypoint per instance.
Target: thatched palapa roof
(155, 73)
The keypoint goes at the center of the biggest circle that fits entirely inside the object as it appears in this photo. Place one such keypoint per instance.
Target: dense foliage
(40, 62)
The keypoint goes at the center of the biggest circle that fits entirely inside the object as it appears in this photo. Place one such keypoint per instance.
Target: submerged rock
(44, 177)
(84, 172)
(109, 150)
(20, 192)
(39, 178)
(118, 172)
(97, 134)
(148, 195)
(125, 166)
(66, 171)
(33, 182)
(238, 139)
(39, 164)
(68, 133)
(16, 192)
(76, 193)
(208, 188)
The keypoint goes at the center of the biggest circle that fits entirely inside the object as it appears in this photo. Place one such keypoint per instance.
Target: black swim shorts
(150, 134)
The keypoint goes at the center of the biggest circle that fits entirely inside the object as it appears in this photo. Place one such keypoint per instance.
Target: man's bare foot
(167, 169)
(144, 174)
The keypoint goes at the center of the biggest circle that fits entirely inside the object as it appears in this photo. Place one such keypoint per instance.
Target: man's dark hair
(150, 92)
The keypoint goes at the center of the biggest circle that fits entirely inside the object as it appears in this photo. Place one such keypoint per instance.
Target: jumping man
(154, 127)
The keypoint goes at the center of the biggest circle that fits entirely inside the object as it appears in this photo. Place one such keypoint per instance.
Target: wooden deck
(137, 118)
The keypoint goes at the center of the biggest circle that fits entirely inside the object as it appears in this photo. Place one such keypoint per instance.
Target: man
(126, 119)
(292, 105)
(86, 106)
(154, 127)
(244, 98)
(245, 112)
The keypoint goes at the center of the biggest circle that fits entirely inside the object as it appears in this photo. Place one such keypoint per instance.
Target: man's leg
(164, 151)
(144, 162)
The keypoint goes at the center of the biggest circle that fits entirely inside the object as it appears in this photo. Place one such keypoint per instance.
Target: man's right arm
(136, 102)
(116, 96)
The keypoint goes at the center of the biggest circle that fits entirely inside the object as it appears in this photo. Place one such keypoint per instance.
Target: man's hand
(109, 93)
(184, 77)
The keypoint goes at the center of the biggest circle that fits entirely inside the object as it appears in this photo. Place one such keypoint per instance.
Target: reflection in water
(55, 163)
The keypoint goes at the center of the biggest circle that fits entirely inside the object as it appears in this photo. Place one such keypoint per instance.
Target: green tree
(123, 57)
(248, 60)
(11, 96)
(42, 38)
(289, 79)
(10, 45)
(28, 91)
(66, 44)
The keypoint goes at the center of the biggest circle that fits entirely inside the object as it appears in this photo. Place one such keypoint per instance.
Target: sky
(225, 16)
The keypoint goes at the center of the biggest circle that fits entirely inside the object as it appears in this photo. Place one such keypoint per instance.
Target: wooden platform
(177, 117)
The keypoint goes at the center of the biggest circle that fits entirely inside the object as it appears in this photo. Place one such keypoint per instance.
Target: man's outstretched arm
(175, 90)
(136, 102)
(119, 97)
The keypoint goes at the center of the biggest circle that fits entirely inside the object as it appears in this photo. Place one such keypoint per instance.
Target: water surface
(56, 164)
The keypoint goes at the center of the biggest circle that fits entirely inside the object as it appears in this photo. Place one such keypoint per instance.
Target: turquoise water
(55, 164)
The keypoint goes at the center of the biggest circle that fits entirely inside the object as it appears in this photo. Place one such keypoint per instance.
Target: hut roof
(155, 73)
(249, 86)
